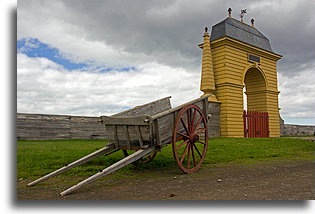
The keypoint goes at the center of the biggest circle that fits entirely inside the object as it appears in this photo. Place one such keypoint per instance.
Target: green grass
(37, 158)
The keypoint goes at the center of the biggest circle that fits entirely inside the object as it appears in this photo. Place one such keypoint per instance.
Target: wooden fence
(54, 127)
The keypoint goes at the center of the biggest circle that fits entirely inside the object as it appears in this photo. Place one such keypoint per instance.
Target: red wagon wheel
(190, 138)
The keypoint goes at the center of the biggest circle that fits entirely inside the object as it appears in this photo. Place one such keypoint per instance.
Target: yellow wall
(230, 65)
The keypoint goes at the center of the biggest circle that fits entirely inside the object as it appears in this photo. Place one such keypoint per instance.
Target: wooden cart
(184, 127)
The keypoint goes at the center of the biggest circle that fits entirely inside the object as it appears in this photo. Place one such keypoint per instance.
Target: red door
(256, 124)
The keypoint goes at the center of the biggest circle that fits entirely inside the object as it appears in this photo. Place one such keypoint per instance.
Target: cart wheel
(190, 138)
(147, 159)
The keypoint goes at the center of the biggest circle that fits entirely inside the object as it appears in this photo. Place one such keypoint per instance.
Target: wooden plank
(127, 136)
(139, 120)
(115, 136)
(157, 133)
(165, 127)
(150, 109)
(127, 131)
(124, 162)
(146, 133)
(123, 140)
(85, 159)
(139, 136)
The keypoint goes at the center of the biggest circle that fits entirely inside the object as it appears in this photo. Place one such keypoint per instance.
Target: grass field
(37, 158)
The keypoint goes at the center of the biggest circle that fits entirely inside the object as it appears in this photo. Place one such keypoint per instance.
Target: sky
(100, 57)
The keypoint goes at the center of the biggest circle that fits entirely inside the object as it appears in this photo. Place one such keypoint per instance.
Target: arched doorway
(255, 116)
(255, 90)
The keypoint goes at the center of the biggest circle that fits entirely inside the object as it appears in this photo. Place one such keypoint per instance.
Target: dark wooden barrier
(256, 124)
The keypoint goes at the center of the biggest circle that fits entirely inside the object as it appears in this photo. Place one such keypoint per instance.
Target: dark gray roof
(240, 31)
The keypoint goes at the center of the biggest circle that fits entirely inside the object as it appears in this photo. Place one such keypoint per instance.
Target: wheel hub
(193, 138)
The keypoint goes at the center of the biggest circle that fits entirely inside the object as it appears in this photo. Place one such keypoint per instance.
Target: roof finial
(206, 32)
(229, 12)
(252, 21)
(242, 14)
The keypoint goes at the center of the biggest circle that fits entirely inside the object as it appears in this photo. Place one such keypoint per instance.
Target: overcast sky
(99, 57)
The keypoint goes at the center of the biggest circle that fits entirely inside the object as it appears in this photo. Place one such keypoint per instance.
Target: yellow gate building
(238, 61)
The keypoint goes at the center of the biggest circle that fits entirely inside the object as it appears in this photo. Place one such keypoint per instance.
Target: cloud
(155, 38)
(294, 101)
(44, 86)
(289, 27)
(166, 32)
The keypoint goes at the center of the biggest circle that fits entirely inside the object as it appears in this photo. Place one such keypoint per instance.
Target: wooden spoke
(200, 131)
(184, 125)
(193, 155)
(188, 156)
(188, 120)
(179, 138)
(183, 156)
(182, 134)
(197, 150)
(201, 142)
(193, 121)
(182, 144)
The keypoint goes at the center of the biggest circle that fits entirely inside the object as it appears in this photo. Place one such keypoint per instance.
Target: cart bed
(134, 133)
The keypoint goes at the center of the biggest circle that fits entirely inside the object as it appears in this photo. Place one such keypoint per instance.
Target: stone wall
(297, 130)
(281, 126)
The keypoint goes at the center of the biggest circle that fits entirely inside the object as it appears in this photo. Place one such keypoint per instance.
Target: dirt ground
(280, 180)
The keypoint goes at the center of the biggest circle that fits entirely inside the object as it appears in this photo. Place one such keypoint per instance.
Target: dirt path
(280, 180)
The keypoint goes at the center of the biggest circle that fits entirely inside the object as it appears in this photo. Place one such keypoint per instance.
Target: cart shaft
(81, 161)
(127, 160)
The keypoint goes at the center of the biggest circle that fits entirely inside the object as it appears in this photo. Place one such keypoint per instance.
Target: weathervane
(229, 11)
(252, 21)
(242, 14)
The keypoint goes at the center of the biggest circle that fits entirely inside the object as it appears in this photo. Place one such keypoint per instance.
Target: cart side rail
(128, 133)
(179, 107)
